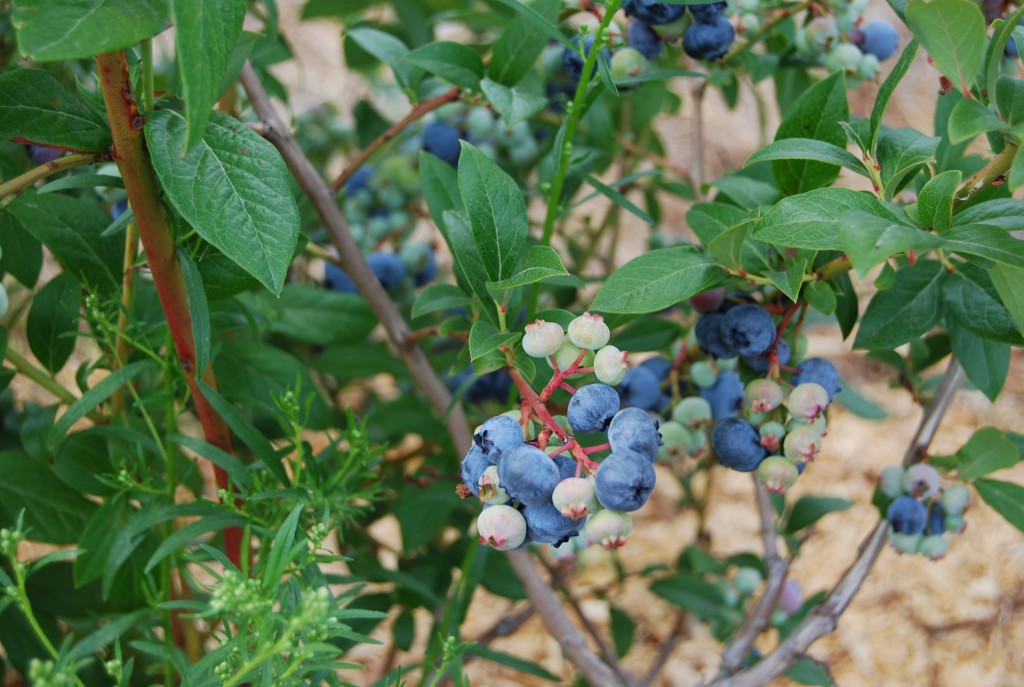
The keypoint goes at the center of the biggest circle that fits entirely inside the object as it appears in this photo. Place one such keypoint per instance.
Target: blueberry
(708, 301)
(842, 57)
(737, 445)
(936, 519)
(546, 525)
(934, 546)
(880, 39)
(709, 336)
(922, 481)
(760, 363)
(659, 366)
(572, 60)
(566, 466)
(890, 481)
(359, 180)
(627, 63)
(491, 491)
(640, 388)
(501, 527)
(645, 39)
(496, 435)
(749, 329)
(624, 481)
(609, 528)
(777, 474)
(653, 12)
(791, 599)
(708, 12)
(118, 209)
(692, 411)
(592, 408)
(388, 268)
(725, 395)
(42, 155)
(819, 371)
(493, 385)
(422, 262)
(709, 41)
(472, 468)
(956, 499)
(442, 140)
(337, 279)
(610, 365)
(527, 474)
(574, 497)
(907, 515)
(632, 429)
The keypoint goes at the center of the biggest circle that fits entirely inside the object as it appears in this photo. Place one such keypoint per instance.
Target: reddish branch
(144, 195)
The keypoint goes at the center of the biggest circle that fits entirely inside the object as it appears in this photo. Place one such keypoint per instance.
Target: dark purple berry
(545, 524)
(737, 445)
(472, 467)
(388, 268)
(443, 141)
(709, 41)
(653, 12)
(644, 39)
(337, 279)
(496, 435)
(710, 339)
(760, 364)
(359, 180)
(749, 329)
(708, 12)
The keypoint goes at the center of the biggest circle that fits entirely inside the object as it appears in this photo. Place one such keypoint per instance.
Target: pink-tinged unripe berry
(589, 331)
(922, 481)
(692, 412)
(771, 435)
(890, 482)
(567, 354)
(491, 491)
(934, 546)
(501, 527)
(609, 528)
(801, 445)
(807, 401)
(956, 499)
(708, 301)
(763, 395)
(819, 426)
(542, 338)
(610, 365)
(777, 474)
(574, 497)
(791, 599)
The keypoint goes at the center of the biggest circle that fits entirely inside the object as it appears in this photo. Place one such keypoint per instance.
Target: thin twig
(680, 630)
(823, 619)
(11, 189)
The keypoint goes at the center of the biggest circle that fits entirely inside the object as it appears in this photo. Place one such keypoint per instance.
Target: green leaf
(692, 593)
(858, 404)
(970, 118)
(542, 262)
(386, 48)
(656, 280)
(511, 661)
(986, 363)
(935, 201)
(808, 149)
(746, 192)
(821, 297)
(205, 34)
(815, 115)
(971, 299)
(807, 671)
(617, 198)
(811, 220)
(497, 212)
(886, 91)
(993, 243)
(109, 632)
(988, 450)
(22, 255)
(901, 153)
(1010, 100)
(92, 398)
(1005, 498)
(237, 471)
(439, 297)
(1015, 179)
(215, 522)
(869, 239)
(790, 280)
(1007, 281)
(54, 512)
(52, 325)
(198, 310)
(456, 63)
(484, 337)
(709, 220)
(514, 105)
(243, 206)
(244, 430)
(906, 311)
(953, 33)
(36, 107)
(77, 181)
(460, 236)
(50, 30)
(519, 46)
(316, 315)
(539, 21)
(727, 247)
(1005, 213)
(623, 629)
(810, 509)
(418, 530)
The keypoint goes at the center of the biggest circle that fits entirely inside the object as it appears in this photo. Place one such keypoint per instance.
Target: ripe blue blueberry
(643, 38)
(709, 41)
(640, 388)
(337, 279)
(118, 209)
(546, 525)
(707, 13)
(527, 474)
(749, 329)
(592, 408)
(760, 364)
(936, 519)
(566, 466)
(907, 515)
(388, 268)
(737, 444)
(496, 435)
(493, 385)
(659, 366)
(472, 468)
(632, 429)
(42, 155)
(421, 261)
(880, 39)
(624, 481)
(442, 140)
(710, 339)
(725, 395)
(572, 60)
(653, 12)
(359, 180)
(819, 371)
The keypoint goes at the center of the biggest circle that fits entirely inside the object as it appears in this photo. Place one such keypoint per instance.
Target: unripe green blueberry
(820, 34)
(763, 395)
(771, 435)
(677, 441)
(574, 497)
(542, 339)
(609, 528)
(589, 331)
(674, 29)
(748, 5)
(922, 481)
(480, 123)
(489, 150)
(904, 543)
(692, 411)
(890, 482)
(777, 474)
(728, 363)
(501, 527)
(610, 365)
(801, 445)
(867, 68)
(698, 441)
(934, 546)
(843, 57)
(5, 302)
(747, 580)
(703, 374)
(955, 499)
(807, 401)
(567, 354)
(820, 425)
(491, 491)
(523, 152)
(750, 22)
(955, 523)
(628, 62)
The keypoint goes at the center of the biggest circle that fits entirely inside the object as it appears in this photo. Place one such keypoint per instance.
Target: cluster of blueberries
(922, 512)
(480, 126)
(843, 44)
(707, 33)
(530, 489)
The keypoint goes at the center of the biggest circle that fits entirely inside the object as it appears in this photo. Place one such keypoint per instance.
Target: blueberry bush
(236, 346)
